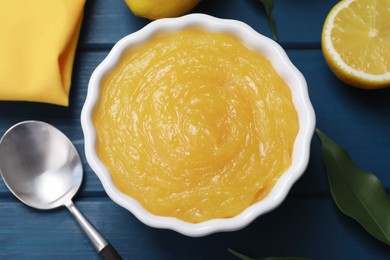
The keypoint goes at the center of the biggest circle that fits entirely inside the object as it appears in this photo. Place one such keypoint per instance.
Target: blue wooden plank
(106, 21)
(359, 120)
(306, 224)
(299, 23)
(304, 227)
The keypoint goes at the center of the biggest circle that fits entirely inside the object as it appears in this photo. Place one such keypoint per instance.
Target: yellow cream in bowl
(195, 126)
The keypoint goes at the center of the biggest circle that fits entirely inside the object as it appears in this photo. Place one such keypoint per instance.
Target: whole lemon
(156, 9)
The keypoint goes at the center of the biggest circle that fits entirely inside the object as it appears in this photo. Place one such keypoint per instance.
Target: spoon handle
(105, 250)
(109, 253)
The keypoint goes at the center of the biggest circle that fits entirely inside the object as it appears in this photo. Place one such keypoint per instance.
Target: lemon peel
(156, 9)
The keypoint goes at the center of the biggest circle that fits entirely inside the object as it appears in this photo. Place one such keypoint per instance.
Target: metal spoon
(42, 168)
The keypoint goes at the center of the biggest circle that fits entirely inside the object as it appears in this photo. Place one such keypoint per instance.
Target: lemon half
(356, 42)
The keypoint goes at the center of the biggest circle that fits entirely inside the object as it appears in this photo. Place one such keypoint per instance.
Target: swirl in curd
(194, 125)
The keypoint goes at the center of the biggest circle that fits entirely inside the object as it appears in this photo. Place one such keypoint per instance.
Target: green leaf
(356, 193)
(244, 257)
(284, 258)
(239, 255)
(268, 6)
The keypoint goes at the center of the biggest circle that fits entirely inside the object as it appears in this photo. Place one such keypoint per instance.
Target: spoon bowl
(40, 165)
(42, 168)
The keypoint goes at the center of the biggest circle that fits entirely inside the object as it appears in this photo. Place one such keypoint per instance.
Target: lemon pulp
(194, 125)
(362, 31)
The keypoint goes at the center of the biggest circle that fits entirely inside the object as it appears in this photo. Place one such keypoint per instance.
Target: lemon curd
(195, 125)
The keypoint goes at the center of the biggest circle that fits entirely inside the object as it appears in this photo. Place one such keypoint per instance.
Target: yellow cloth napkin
(38, 39)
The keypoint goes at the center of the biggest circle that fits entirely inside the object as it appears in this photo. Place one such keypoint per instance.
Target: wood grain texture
(300, 227)
(299, 22)
(307, 224)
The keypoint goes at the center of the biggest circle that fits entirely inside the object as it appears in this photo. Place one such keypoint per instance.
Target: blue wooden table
(307, 224)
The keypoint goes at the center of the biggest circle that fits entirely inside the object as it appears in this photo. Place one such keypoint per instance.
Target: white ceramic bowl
(253, 40)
